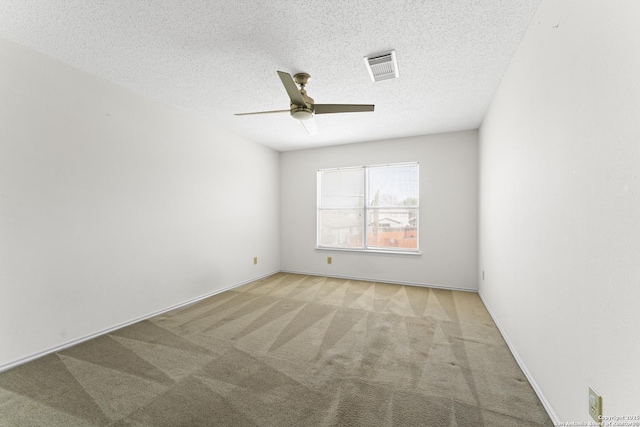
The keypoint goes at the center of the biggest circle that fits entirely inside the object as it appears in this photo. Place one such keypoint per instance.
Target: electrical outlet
(329, 260)
(595, 405)
(255, 259)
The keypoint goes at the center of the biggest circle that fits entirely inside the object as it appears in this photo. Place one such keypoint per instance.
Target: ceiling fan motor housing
(303, 112)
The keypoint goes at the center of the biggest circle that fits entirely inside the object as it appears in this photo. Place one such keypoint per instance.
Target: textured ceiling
(218, 58)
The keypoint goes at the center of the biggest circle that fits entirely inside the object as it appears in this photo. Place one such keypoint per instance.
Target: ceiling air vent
(382, 67)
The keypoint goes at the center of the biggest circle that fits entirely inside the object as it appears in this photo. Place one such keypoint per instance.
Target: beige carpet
(288, 350)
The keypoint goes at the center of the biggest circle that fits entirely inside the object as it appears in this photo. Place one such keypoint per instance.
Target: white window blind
(369, 208)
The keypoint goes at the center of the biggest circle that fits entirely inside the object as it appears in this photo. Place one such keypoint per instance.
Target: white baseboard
(543, 399)
(76, 341)
(370, 279)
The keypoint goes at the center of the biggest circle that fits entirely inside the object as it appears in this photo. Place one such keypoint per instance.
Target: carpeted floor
(288, 350)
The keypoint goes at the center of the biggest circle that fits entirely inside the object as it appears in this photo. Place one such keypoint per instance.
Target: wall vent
(382, 67)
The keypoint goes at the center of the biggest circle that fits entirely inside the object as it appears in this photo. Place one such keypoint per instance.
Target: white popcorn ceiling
(217, 58)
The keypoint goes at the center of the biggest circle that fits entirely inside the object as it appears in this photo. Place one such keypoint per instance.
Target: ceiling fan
(302, 106)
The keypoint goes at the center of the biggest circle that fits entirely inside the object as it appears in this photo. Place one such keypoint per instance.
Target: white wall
(113, 206)
(560, 205)
(448, 211)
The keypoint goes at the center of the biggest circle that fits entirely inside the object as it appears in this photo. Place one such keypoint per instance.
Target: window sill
(370, 251)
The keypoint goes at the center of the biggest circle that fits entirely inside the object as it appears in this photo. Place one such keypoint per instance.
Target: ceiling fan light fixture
(302, 113)
(382, 67)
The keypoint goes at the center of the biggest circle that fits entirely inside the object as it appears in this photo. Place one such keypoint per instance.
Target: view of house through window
(369, 207)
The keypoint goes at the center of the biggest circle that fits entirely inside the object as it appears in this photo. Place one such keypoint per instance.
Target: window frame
(365, 209)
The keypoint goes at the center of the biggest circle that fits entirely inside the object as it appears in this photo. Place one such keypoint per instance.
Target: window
(369, 208)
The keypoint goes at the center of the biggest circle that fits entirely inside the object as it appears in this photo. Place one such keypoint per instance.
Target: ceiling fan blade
(342, 108)
(292, 88)
(263, 112)
(310, 126)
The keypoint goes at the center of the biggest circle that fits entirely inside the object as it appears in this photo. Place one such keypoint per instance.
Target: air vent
(382, 67)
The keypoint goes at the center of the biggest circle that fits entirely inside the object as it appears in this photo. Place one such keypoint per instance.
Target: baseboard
(370, 279)
(23, 360)
(543, 399)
